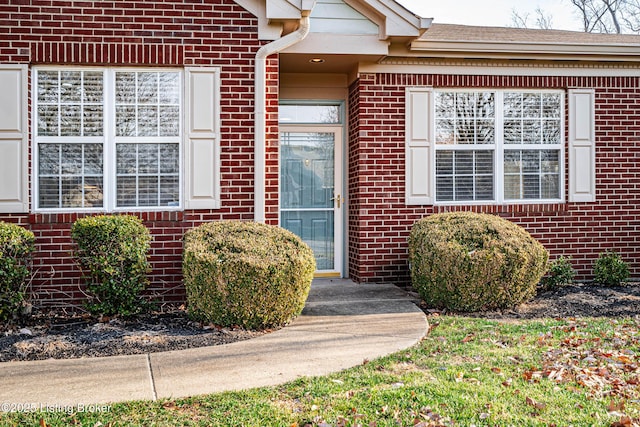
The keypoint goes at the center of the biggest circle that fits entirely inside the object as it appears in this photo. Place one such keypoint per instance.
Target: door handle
(338, 199)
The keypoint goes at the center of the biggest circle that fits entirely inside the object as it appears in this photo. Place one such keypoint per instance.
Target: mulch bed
(62, 336)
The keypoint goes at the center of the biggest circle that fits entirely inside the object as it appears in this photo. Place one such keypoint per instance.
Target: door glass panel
(316, 229)
(307, 189)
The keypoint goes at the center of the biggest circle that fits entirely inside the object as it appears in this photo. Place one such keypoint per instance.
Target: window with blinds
(107, 138)
(498, 146)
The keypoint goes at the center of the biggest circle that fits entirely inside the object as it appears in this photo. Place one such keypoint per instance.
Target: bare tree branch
(518, 20)
(542, 21)
(597, 16)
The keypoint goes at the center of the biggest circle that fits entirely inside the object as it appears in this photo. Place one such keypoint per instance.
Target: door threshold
(328, 275)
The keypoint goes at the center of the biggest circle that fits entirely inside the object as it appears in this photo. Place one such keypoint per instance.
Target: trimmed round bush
(465, 261)
(16, 247)
(112, 252)
(246, 274)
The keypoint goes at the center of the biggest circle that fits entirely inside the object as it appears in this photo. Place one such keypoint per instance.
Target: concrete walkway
(342, 325)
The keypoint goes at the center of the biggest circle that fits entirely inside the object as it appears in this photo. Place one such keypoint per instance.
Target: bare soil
(63, 336)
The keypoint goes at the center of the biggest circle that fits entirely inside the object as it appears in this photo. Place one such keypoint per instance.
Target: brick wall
(380, 222)
(148, 33)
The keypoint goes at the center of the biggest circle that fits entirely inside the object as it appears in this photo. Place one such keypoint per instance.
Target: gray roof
(464, 33)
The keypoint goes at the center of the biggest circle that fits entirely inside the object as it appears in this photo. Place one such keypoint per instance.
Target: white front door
(311, 196)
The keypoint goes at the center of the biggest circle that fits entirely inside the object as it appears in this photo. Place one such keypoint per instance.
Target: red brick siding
(380, 221)
(148, 33)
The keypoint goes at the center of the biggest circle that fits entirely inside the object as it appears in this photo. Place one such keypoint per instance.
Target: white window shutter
(202, 138)
(419, 147)
(14, 150)
(582, 146)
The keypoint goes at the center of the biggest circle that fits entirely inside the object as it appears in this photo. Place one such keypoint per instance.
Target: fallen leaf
(537, 405)
(624, 422)
(171, 405)
(468, 338)
(615, 406)
(43, 423)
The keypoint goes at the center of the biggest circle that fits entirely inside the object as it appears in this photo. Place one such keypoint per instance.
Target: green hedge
(246, 274)
(112, 252)
(16, 248)
(469, 262)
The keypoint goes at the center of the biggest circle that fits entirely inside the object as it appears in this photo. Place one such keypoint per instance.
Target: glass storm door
(311, 198)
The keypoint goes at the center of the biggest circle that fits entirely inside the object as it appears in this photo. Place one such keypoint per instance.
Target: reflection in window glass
(532, 174)
(465, 118)
(70, 103)
(71, 142)
(70, 175)
(530, 144)
(324, 114)
(532, 118)
(147, 175)
(147, 104)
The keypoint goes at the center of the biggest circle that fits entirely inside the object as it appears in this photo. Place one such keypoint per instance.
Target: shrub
(16, 246)
(468, 262)
(560, 273)
(610, 269)
(112, 252)
(246, 274)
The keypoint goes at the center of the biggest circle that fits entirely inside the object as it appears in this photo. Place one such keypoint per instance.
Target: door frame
(339, 187)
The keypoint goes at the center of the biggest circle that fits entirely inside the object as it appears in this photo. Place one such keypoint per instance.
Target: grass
(466, 372)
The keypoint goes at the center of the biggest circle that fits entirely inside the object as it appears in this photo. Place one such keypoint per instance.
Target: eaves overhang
(524, 51)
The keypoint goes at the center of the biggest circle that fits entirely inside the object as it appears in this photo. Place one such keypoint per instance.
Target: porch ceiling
(334, 64)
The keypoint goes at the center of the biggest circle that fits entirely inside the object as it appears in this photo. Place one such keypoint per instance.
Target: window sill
(515, 207)
(71, 217)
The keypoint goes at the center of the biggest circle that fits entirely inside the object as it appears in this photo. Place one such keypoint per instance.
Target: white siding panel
(337, 17)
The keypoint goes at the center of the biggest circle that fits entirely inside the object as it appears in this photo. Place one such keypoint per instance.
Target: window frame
(109, 140)
(499, 147)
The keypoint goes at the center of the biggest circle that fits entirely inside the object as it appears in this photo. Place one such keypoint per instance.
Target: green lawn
(466, 372)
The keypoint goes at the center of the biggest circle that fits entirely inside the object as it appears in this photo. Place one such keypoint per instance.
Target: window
(107, 138)
(498, 146)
